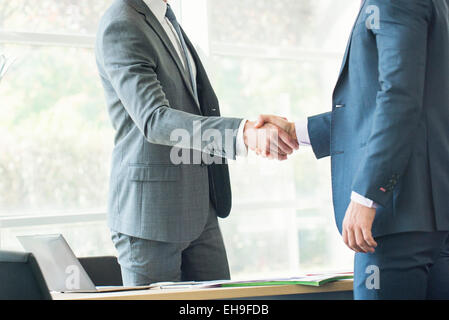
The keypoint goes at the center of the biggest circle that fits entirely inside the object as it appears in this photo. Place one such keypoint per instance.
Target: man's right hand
(281, 122)
(270, 138)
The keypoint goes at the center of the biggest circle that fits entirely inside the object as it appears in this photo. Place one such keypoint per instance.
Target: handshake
(271, 137)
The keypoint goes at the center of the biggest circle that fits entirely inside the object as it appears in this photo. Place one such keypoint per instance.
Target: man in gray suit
(163, 212)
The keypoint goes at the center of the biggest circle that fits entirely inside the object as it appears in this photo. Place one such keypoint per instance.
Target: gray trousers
(145, 261)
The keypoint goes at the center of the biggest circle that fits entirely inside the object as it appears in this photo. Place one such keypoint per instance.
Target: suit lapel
(348, 47)
(198, 64)
(152, 21)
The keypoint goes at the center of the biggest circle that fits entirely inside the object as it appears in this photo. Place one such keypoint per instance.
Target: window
(279, 57)
(55, 134)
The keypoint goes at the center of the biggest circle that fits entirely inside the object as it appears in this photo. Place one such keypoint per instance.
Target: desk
(334, 290)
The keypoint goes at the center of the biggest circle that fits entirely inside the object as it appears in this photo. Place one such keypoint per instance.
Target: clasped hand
(271, 137)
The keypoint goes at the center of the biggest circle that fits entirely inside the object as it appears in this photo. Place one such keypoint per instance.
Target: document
(308, 280)
(315, 280)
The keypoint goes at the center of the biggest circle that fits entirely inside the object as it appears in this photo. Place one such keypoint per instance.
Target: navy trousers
(411, 265)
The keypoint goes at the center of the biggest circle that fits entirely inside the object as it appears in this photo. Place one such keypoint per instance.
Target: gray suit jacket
(149, 95)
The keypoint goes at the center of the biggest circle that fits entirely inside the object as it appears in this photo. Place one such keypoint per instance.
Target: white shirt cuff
(241, 148)
(362, 200)
(302, 132)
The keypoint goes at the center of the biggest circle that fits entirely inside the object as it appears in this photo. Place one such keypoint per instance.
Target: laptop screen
(61, 269)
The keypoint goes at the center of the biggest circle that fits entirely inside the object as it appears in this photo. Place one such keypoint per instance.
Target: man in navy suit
(388, 138)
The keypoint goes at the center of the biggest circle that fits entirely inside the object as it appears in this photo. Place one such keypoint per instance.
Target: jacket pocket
(149, 173)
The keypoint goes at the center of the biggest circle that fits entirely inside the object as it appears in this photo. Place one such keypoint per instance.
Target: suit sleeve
(401, 43)
(126, 55)
(319, 128)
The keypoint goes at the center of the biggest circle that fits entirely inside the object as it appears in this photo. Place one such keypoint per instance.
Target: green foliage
(261, 22)
(59, 16)
(56, 138)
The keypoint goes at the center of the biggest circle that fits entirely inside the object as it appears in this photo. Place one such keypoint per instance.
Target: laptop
(61, 269)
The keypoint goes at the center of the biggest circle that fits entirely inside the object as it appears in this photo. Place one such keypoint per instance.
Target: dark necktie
(172, 18)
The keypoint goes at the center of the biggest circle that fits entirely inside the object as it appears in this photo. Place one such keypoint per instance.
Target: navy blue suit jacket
(388, 131)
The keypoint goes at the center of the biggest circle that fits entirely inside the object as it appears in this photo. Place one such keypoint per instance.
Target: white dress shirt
(159, 8)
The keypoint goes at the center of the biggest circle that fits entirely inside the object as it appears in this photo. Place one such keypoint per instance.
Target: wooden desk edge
(208, 293)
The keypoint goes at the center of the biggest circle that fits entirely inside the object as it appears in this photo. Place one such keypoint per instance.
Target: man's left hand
(357, 226)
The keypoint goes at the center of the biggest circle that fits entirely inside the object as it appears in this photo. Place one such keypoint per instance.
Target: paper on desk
(310, 280)
(187, 284)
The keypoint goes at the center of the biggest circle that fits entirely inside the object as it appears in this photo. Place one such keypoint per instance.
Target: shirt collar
(158, 7)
